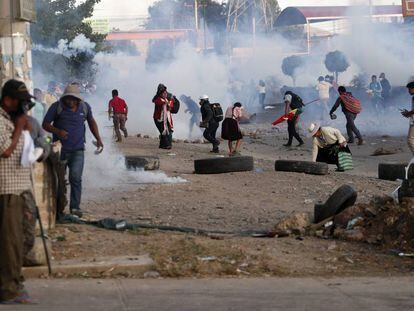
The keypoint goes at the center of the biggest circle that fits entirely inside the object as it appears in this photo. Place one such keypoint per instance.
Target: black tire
(394, 171)
(148, 163)
(406, 189)
(223, 165)
(314, 168)
(344, 197)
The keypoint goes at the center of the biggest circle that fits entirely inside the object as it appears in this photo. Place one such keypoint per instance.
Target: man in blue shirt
(65, 119)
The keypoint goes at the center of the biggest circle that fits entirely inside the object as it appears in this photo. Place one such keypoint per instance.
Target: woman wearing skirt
(230, 129)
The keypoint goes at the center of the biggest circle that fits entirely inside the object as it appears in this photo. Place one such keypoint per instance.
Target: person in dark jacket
(293, 102)
(193, 110)
(209, 123)
(162, 116)
(386, 88)
(350, 117)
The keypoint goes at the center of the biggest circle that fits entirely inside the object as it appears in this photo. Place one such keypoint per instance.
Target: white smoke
(80, 44)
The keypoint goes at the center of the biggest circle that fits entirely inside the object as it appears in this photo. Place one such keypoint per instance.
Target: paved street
(223, 294)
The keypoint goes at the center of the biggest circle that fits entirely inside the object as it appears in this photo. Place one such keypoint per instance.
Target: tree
(290, 65)
(336, 62)
(65, 20)
(179, 14)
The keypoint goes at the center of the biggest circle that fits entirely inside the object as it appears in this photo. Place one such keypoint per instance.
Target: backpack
(176, 105)
(297, 102)
(59, 109)
(217, 112)
(351, 103)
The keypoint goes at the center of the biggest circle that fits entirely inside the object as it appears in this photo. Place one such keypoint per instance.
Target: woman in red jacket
(162, 116)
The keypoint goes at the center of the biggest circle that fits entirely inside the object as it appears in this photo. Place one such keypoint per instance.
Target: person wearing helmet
(209, 123)
(293, 102)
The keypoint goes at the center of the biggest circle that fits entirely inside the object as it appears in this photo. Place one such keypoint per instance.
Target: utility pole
(204, 26)
(196, 14)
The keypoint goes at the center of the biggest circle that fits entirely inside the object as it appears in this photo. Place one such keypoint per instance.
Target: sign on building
(100, 26)
(26, 10)
(408, 7)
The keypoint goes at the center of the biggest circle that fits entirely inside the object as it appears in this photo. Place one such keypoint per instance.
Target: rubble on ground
(381, 222)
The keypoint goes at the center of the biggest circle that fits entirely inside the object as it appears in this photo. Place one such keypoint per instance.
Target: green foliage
(336, 62)
(290, 65)
(64, 19)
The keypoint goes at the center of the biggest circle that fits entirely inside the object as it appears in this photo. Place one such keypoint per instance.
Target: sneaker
(300, 144)
(287, 145)
(22, 298)
(215, 150)
(360, 142)
(77, 212)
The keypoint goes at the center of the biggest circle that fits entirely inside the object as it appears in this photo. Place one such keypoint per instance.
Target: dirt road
(235, 201)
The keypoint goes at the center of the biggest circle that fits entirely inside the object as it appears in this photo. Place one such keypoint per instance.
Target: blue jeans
(74, 161)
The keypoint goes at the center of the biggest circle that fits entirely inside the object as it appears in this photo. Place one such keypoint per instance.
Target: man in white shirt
(328, 142)
(323, 88)
(410, 114)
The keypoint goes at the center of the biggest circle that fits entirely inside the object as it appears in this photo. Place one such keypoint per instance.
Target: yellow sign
(99, 25)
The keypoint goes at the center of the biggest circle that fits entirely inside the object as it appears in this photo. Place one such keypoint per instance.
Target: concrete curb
(96, 267)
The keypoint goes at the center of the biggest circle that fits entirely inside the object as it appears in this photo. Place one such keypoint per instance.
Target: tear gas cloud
(370, 47)
(107, 170)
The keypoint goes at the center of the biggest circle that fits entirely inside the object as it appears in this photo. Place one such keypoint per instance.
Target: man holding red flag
(293, 108)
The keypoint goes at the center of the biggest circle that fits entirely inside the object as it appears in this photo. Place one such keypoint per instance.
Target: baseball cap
(17, 90)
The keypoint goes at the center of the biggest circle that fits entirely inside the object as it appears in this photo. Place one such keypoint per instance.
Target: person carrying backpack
(163, 105)
(351, 107)
(292, 102)
(210, 122)
(65, 119)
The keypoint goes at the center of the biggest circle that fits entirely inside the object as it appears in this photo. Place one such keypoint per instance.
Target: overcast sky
(119, 8)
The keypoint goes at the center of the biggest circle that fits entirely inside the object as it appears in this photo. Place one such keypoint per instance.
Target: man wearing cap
(410, 114)
(15, 182)
(65, 119)
(209, 123)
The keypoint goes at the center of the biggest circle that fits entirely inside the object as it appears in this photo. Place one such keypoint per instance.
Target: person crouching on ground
(350, 107)
(118, 109)
(15, 186)
(327, 143)
(65, 119)
(162, 116)
(293, 102)
(209, 123)
(230, 129)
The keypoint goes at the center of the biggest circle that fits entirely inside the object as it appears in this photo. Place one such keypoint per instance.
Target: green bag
(345, 162)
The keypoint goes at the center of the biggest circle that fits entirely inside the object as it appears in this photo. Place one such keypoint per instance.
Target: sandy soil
(235, 201)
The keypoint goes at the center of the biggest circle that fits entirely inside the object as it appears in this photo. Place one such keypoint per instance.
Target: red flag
(288, 116)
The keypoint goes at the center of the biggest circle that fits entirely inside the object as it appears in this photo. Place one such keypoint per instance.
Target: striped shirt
(14, 178)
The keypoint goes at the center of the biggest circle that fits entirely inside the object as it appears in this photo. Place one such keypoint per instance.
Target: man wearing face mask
(65, 119)
(15, 184)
